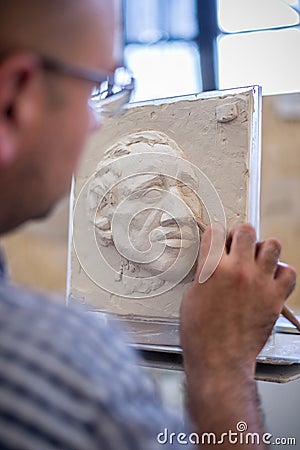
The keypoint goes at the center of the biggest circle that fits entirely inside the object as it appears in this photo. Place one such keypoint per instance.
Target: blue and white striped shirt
(68, 381)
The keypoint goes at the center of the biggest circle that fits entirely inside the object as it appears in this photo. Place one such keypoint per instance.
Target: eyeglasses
(112, 91)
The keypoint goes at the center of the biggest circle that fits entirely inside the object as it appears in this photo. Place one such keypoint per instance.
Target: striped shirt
(68, 382)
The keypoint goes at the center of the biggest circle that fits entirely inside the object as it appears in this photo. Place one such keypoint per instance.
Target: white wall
(281, 406)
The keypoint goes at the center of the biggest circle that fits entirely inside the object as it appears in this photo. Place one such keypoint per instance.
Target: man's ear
(16, 71)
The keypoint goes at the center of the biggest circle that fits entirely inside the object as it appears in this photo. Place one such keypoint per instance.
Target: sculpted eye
(152, 194)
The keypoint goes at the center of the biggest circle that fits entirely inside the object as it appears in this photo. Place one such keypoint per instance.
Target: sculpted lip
(172, 237)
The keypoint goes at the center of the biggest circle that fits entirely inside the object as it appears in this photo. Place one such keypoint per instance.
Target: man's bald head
(52, 27)
(41, 140)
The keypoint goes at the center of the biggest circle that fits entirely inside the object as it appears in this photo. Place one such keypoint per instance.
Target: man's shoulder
(57, 360)
(69, 333)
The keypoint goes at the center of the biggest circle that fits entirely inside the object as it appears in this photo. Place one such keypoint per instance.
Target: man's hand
(226, 321)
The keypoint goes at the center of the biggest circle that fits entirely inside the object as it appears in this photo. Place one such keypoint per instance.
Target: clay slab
(219, 133)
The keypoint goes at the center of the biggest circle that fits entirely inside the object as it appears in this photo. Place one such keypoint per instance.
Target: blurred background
(178, 47)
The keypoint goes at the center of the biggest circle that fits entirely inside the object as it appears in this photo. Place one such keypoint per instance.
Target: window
(160, 47)
(177, 47)
(259, 44)
(243, 15)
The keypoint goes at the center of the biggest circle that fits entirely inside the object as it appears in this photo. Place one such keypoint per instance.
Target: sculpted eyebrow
(156, 181)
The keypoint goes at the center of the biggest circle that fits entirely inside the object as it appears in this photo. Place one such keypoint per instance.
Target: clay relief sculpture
(146, 222)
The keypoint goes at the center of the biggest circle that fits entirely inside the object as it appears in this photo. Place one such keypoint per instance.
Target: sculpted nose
(166, 220)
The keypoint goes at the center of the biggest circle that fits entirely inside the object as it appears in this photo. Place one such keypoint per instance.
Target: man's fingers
(241, 242)
(285, 277)
(211, 251)
(267, 255)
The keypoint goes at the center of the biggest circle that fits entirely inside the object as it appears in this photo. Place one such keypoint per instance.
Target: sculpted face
(148, 218)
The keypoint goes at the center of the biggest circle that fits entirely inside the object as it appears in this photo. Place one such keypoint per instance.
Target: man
(66, 381)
